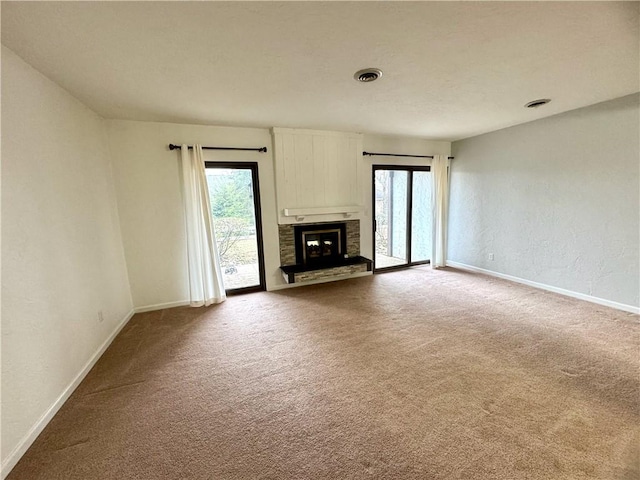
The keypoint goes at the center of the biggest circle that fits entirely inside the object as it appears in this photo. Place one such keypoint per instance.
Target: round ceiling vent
(368, 75)
(538, 103)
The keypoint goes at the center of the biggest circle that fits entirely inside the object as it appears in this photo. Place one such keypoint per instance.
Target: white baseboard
(322, 280)
(542, 286)
(161, 306)
(17, 453)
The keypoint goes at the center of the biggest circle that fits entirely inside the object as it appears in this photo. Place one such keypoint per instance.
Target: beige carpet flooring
(417, 374)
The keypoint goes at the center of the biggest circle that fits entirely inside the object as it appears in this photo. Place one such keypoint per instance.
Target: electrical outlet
(100, 317)
(491, 256)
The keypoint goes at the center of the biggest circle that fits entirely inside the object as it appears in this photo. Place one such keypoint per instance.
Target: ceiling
(451, 69)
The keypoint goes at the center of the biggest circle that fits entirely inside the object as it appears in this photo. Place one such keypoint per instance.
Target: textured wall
(555, 201)
(62, 254)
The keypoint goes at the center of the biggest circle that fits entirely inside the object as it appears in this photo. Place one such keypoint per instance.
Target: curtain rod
(178, 147)
(369, 154)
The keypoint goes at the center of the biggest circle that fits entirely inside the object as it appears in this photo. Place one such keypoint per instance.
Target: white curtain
(439, 209)
(205, 276)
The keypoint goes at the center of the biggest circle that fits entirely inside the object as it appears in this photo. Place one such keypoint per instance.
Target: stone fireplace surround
(295, 273)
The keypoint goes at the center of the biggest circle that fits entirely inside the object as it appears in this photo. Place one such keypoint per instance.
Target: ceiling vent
(538, 103)
(368, 75)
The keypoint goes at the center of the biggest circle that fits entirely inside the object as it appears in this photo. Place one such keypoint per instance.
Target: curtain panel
(205, 276)
(439, 209)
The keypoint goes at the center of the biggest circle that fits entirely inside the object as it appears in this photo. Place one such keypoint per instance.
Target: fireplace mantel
(302, 213)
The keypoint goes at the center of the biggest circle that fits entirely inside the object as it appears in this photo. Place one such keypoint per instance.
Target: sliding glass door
(421, 233)
(402, 216)
(235, 205)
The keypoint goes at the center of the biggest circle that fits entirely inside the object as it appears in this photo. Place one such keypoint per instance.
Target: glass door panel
(421, 236)
(390, 193)
(402, 216)
(234, 209)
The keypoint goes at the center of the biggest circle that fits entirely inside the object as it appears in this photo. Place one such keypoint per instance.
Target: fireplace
(320, 244)
(321, 252)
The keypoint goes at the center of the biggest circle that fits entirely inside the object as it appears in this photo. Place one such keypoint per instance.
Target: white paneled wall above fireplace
(317, 175)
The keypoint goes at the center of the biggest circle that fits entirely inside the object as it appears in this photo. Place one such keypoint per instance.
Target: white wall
(62, 255)
(390, 144)
(150, 204)
(556, 201)
(150, 201)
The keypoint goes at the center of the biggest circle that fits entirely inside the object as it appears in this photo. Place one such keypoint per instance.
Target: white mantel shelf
(300, 213)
